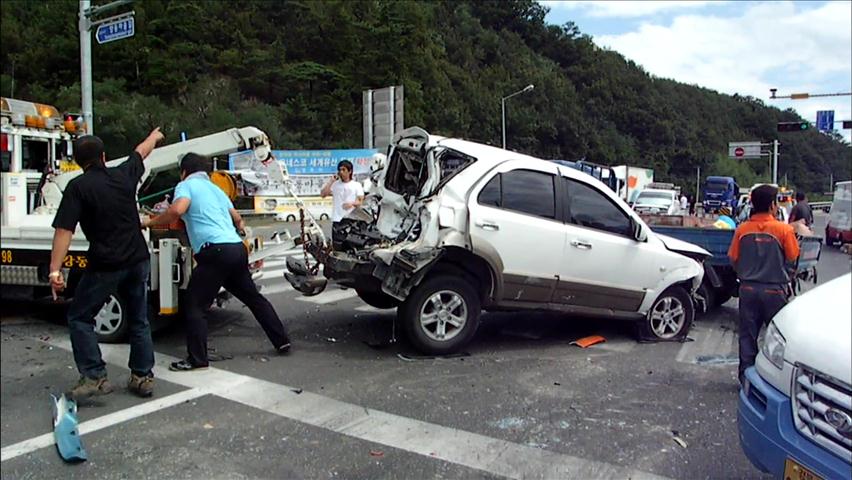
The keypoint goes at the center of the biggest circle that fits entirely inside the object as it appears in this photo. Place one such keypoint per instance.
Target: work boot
(89, 387)
(141, 385)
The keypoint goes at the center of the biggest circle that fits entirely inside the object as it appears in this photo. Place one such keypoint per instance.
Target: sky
(741, 47)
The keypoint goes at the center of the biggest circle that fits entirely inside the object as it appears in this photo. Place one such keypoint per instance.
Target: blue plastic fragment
(65, 430)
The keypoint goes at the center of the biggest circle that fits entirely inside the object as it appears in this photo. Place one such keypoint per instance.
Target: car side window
(587, 207)
(524, 191)
(490, 194)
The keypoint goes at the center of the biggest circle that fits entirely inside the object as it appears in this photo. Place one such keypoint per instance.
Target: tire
(722, 298)
(291, 218)
(828, 240)
(657, 326)
(111, 323)
(378, 299)
(441, 291)
(323, 216)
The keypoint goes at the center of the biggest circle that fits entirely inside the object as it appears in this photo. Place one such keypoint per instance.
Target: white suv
(454, 227)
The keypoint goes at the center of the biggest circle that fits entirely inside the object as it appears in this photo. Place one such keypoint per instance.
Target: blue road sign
(112, 31)
(825, 120)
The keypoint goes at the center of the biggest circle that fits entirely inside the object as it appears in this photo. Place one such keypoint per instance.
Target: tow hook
(299, 277)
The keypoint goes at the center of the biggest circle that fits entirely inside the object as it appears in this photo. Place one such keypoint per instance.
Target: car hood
(818, 329)
(685, 248)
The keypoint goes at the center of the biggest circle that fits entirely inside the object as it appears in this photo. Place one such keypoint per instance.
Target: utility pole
(697, 187)
(775, 144)
(85, 26)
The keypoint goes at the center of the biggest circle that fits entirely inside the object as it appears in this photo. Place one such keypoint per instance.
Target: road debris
(65, 431)
(297, 391)
(587, 342)
(377, 453)
(208, 426)
(330, 339)
(680, 442)
(414, 358)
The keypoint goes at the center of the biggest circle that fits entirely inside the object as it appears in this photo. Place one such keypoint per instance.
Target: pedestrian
(214, 228)
(759, 252)
(346, 194)
(684, 204)
(802, 211)
(103, 201)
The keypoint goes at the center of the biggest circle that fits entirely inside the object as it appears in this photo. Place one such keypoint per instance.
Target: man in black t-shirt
(103, 201)
(802, 210)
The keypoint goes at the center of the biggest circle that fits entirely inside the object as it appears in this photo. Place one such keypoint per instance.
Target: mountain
(297, 68)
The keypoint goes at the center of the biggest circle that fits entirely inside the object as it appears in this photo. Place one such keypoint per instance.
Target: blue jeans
(94, 289)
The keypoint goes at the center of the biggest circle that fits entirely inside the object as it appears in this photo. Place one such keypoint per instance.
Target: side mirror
(639, 233)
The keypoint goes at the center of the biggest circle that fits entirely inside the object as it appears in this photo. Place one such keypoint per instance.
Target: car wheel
(441, 315)
(291, 218)
(828, 240)
(323, 216)
(377, 299)
(669, 318)
(111, 324)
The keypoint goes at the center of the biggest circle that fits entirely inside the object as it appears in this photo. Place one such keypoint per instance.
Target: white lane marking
(367, 308)
(329, 296)
(274, 264)
(275, 289)
(46, 440)
(711, 340)
(492, 455)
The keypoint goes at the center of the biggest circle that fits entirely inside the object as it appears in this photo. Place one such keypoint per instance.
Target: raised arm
(147, 146)
(239, 223)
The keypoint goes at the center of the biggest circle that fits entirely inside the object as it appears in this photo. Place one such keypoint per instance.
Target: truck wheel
(111, 324)
(669, 318)
(379, 300)
(441, 315)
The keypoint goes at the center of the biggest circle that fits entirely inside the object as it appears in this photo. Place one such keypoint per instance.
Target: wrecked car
(453, 227)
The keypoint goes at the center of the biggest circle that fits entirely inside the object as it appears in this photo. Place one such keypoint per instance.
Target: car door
(515, 223)
(603, 266)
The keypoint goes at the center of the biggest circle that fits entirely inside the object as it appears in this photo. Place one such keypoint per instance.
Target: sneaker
(141, 385)
(185, 366)
(284, 349)
(90, 387)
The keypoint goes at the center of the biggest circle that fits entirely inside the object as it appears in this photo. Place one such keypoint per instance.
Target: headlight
(724, 202)
(773, 346)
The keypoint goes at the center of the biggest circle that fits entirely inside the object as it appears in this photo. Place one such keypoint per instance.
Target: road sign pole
(775, 162)
(86, 66)
(697, 189)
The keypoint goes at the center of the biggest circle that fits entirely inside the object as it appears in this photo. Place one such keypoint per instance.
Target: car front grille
(822, 409)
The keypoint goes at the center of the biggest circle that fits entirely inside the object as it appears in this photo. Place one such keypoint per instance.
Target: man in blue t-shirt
(221, 259)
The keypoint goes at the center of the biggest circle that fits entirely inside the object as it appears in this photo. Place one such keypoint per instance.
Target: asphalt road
(524, 403)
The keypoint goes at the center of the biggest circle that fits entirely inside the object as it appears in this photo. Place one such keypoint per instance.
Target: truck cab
(720, 192)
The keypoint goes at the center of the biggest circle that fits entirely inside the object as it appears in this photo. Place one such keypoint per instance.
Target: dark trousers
(225, 265)
(759, 302)
(131, 284)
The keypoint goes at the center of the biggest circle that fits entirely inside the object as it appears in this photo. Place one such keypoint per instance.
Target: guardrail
(824, 206)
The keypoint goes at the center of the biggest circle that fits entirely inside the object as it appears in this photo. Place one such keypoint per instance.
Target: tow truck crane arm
(169, 156)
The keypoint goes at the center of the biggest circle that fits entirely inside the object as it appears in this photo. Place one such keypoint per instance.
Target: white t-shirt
(684, 203)
(342, 193)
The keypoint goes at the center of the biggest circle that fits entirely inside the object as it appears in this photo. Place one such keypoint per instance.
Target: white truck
(37, 166)
(659, 199)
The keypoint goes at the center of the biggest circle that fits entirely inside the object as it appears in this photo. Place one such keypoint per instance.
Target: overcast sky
(732, 47)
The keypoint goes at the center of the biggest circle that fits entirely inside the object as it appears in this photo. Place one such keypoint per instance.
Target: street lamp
(503, 107)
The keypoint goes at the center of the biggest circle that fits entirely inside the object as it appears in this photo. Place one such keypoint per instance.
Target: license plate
(794, 471)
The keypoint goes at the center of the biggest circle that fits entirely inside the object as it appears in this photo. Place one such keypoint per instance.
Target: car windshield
(717, 186)
(654, 199)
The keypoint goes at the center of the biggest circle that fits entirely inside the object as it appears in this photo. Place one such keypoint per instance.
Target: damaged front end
(386, 246)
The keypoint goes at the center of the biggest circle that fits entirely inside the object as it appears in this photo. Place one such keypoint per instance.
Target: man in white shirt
(684, 204)
(346, 194)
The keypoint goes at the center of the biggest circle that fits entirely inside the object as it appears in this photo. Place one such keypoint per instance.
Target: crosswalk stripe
(277, 288)
(329, 297)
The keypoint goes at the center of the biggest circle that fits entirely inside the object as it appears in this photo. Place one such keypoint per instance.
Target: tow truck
(37, 165)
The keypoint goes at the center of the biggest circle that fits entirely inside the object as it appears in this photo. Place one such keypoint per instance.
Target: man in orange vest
(761, 248)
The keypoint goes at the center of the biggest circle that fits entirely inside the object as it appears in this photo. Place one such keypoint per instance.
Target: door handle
(581, 245)
(487, 225)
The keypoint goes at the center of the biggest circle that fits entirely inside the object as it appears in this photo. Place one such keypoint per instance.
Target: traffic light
(793, 126)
